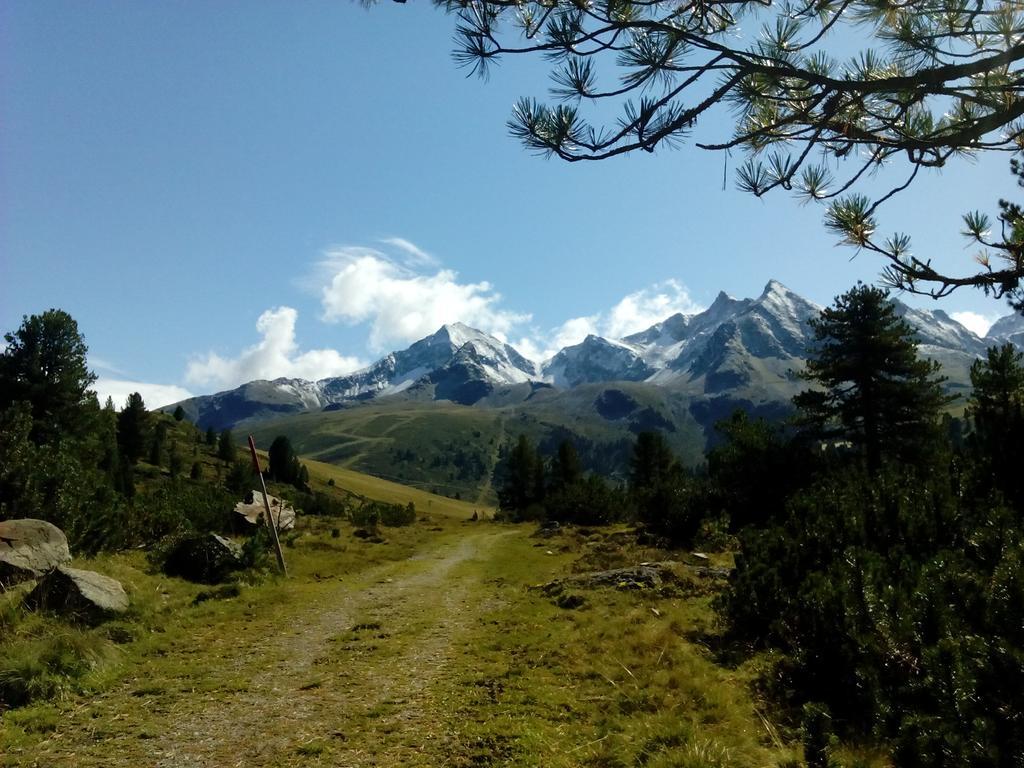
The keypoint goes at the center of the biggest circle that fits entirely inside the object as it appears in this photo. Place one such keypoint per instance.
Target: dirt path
(358, 678)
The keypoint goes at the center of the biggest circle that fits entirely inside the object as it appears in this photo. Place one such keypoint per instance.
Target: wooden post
(266, 505)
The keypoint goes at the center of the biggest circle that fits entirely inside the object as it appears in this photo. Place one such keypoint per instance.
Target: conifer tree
(565, 469)
(174, 460)
(997, 410)
(226, 446)
(651, 463)
(156, 448)
(283, 463)
(44, 365)
(132, 426)
(524, 468)
(872, 390)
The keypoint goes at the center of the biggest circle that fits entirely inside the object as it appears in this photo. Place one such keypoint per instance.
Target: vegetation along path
(429, 650)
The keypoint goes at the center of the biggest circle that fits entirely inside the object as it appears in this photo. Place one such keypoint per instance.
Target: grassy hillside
(436, 447)
(454, 450)
(394, 493)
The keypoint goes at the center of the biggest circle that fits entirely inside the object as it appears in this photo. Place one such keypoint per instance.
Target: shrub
(366, 515)
(395, 515)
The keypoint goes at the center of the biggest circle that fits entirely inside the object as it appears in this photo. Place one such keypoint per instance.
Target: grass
(621, 681)
(480, 668)
(391, 492)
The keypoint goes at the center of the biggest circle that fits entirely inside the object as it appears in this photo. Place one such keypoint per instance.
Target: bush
(396, 516)
(320, 503)
(370, 514)
(366, 515)
(587, 501)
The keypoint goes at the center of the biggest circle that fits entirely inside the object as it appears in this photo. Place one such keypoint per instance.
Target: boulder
(253, 511)
(206, 559)
(30, 548)
(84, 596)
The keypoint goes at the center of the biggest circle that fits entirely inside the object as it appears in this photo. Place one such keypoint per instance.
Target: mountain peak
(458, 334)
(773, 286)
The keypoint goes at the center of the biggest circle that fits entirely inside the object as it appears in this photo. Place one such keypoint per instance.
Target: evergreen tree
(753, 470)
(110, 459)
(132, 428)
(651, 464)
(174, 461)
(872, 391)
(520, 489)
(997, 411)
(240, 477)
(565, 469)
(282, 460)
(211, 436)
(156, 447)
(179, 413)
(44, 365)
(226, 446)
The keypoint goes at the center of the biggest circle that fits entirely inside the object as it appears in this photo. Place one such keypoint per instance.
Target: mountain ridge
(735, 346)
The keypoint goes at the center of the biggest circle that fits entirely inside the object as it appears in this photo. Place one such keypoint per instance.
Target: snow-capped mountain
(740, 348)
(596, 359)
(455, 352)
(498, 362)
(1007, 329)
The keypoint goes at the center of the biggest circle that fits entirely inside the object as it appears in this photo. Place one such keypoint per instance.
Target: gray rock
(84, 596)
(206, 559)
(30, 548)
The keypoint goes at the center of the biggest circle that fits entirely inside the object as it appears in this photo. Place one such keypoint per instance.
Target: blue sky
(219, 191)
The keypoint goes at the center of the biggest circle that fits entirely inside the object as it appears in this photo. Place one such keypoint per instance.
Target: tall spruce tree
(872, 391)
(133, 428)
(997, 411)
(283, 461)
(524, 479)
(565, 469)
(226, 446)
(651, 464)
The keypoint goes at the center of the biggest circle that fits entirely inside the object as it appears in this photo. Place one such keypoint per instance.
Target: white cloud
(414, 255)
(635, 312)
(402, 305)
(276, 355)
(642, 309)
(974, 321)
(154, 395)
